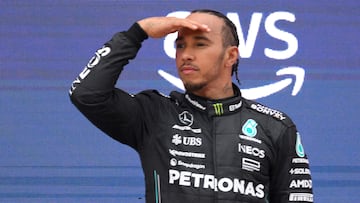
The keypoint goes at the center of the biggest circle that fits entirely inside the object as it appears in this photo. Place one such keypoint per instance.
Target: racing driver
(208, 144)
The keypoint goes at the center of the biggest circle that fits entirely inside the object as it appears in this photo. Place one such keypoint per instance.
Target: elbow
(81, 96)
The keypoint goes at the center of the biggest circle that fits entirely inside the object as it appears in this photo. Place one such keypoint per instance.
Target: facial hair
(193, 87)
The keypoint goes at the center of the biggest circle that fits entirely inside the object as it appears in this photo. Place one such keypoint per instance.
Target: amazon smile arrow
(261, 91)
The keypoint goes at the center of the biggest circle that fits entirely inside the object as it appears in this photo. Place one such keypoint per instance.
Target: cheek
(178, 56)
(177, 63)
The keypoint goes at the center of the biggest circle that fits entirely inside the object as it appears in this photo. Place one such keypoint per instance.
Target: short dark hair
(229, 32)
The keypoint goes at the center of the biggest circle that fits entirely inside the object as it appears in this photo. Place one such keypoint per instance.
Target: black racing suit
(193, 149)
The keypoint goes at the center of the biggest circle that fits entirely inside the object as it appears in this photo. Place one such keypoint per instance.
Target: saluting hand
(157, 27)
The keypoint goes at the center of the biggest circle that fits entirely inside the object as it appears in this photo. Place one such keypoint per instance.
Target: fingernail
(206, 27)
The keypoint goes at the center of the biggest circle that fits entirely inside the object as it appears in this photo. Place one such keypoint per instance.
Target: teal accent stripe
(156, 187)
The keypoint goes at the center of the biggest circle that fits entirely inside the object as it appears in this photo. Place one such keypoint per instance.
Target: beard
(193, 87)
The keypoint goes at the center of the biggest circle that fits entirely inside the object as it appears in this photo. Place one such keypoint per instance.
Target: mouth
(188, 69)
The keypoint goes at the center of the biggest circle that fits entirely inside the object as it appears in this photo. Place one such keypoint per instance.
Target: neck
(215, 93)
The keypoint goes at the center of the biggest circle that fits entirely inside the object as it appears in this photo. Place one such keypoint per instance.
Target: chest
(215, 145)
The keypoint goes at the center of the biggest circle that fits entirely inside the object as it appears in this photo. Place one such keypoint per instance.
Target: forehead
(213, 22)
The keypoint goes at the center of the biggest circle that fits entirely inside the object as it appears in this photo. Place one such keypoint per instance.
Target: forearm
(101, 73)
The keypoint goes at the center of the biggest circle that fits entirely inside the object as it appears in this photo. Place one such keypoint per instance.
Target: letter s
(275, 32)
(260, 191)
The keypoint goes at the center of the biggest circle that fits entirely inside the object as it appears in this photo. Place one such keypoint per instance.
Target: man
(208, 144)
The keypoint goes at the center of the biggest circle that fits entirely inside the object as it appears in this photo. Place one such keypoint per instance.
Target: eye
(200, 44)
(179, 45)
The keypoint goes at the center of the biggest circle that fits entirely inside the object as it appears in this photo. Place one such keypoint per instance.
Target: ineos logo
(186, 118)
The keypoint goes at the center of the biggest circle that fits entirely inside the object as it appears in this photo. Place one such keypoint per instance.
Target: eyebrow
(196, 37)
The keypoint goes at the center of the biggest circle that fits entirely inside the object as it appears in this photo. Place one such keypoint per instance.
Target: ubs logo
(188, 141)
(186, 118)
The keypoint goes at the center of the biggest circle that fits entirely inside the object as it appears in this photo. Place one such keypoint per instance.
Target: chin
(192, 87)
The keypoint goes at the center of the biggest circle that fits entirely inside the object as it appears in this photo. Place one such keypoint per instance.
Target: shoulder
(152, 93)
(268, 113)
(153, 96)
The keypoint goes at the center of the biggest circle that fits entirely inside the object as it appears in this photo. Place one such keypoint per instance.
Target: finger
(204, 27)
(195, 25)
(200, 26)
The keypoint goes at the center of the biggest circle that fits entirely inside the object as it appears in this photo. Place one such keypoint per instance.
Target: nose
(187, 55)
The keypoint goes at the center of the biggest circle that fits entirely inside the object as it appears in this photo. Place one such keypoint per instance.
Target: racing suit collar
(216, 107)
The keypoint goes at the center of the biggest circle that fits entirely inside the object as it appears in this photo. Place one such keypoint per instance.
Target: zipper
(213, 134)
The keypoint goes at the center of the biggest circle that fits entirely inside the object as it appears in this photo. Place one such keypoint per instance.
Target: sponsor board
(246, 48)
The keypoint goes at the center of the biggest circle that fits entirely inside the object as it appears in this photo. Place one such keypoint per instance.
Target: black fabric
(193, 149)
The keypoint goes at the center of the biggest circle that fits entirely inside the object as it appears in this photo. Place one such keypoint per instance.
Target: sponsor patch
(188, 141)
(249, 128)
(250, 139)
(218, 108)
(266, 110)
(300, 161)
(186, 118)
(224, 184)
(175, 162)
(301, 197)
(187, 128)
(250, 165)
(299, 147)
(186, 154)
(301, 184)
(300, 171)
(253, 151)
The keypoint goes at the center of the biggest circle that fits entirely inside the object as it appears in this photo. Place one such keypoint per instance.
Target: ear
(232, 56)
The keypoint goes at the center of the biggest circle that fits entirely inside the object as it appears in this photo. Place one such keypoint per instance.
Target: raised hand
(157, 27)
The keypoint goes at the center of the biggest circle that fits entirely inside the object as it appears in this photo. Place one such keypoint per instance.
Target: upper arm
(116, 113)
(291, 178)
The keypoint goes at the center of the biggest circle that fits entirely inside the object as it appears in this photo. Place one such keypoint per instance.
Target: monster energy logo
(218, 107)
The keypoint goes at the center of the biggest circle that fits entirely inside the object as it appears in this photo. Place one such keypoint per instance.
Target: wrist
(136, 33)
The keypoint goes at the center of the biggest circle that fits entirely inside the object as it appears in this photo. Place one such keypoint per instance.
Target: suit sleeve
(291, 177)
(93, 92)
